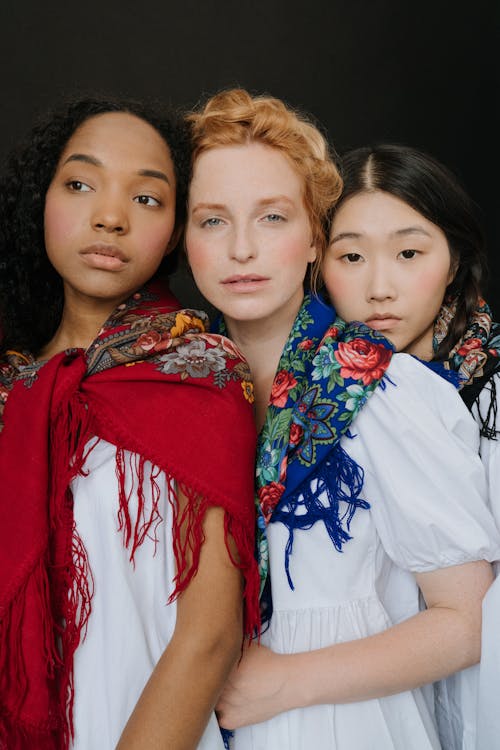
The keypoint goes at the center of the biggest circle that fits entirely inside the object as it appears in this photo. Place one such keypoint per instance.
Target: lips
(244, 279)
(104, 257)
(382, 321)
(101, 248)
(245, 283)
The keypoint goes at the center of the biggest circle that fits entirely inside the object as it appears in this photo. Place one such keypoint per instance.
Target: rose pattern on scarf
(362, 360)
(480, 342)
(269, 497)
(283, 383)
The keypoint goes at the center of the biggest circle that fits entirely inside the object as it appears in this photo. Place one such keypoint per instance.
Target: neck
(80, 323)
(262, 342)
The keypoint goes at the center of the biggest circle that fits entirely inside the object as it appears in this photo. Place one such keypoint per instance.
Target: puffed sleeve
(424, 479)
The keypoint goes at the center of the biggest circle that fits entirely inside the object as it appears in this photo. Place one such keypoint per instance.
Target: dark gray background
(421, 73)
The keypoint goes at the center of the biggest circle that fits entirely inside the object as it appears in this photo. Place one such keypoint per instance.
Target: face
(388, 267)
(110, 208)
(248, 235)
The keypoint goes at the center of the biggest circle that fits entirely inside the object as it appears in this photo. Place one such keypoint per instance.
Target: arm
(428, 646)
(176, 702)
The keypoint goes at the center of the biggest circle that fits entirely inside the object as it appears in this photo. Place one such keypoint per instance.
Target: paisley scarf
(475, 358)
(326, 372)
(152, 383)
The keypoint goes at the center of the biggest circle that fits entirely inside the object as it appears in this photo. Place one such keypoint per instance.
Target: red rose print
(306, 345)
(296, 433)
(164, 343)
(283, 382)
(333, 331)
(147, 341)
(269, 497)
(363, 360)
(468, 346)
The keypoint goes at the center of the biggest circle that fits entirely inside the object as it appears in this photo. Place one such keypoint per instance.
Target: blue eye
(147, 200)
(213, 221)
(76, 186)
(274, 218)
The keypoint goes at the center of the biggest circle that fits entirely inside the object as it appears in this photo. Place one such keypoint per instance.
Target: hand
(255, 689)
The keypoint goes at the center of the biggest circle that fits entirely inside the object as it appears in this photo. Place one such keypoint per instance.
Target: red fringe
(55, 602)
(63, 582)
(187, 534)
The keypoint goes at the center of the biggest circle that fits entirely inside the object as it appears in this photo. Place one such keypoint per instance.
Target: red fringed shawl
(152, 383)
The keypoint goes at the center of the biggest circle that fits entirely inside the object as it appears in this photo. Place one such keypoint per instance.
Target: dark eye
(352, 257)
(147, 200)
(78, 187)
(408, 254)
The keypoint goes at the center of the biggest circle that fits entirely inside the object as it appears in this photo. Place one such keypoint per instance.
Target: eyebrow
(410, 230)
(261, 204)
(398, 233)
(88, 159)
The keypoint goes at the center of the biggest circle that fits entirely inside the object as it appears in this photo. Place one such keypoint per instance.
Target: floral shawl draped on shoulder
(152, 383)
(475, 358)
(326, 372)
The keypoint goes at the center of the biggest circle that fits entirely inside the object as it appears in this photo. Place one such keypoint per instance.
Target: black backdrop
(421, 73)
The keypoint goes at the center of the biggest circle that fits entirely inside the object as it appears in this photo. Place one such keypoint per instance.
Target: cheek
(431, 285)
(59, 223)
(343, 292)
(156, 235)
(201, 257)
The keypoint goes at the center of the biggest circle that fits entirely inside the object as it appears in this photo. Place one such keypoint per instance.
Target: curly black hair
(31, 291)
(434, 191)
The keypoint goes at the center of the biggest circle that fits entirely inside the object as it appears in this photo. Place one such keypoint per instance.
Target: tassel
(339, 479)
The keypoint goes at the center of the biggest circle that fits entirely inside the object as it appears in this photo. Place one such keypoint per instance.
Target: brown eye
(147, 200)
(78, 187)
(351, 257)
(408, 254)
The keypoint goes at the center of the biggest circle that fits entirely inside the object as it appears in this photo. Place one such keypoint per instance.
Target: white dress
(488, 721)
(131, 623)
(417, 444)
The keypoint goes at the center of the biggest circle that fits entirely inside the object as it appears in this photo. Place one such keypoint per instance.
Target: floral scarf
(326, 372)
(152, 383)
(475, 358)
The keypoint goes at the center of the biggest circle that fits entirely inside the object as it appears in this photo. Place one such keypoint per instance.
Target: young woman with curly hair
(126, 522)
(407, 258)
(370, 490)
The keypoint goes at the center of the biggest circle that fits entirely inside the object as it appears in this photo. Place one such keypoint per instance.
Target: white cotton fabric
(131, 623)
(488, 723)
(417, 444)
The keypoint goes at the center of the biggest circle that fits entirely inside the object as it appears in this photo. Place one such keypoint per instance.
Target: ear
(313, 253)
(174, 239)
(454, 266)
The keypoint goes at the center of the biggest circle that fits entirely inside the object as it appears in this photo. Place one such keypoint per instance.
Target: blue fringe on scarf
(338, 479)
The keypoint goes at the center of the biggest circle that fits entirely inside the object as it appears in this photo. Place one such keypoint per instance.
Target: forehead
(252, 168)
(377, 210)
(120, 138)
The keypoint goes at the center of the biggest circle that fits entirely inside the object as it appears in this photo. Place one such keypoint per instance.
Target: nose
(110, 214)
(243, 246)
(381, 284)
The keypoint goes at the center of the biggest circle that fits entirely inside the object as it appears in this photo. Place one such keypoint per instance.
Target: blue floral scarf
(326, 372)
